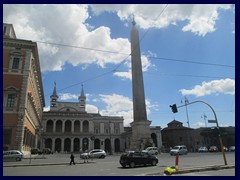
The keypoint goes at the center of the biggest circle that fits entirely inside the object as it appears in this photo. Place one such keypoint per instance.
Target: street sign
(212, 121)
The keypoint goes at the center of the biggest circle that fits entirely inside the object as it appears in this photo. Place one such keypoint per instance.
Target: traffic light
(174, 108)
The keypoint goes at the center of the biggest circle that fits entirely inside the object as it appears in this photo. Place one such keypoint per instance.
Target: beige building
(23, 98)
(69, 128)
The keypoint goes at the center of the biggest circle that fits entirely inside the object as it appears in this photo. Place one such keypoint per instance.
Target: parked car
(151, 150)
(231, 148)
(213, 149)
(47, 151)
(180, 150)
(225, 148)
(203, 149)
(36, 151)
(137, 158)
(95, 153)
(12, 154)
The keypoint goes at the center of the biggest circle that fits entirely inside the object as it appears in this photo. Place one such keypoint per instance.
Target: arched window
(49, 127)
(68, 126)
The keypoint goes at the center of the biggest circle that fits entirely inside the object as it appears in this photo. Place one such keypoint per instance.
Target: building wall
(93, 127)
(22, 92)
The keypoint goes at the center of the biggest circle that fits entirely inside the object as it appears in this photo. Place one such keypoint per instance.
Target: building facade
(23, 98)
(177, 134)
(67, 127)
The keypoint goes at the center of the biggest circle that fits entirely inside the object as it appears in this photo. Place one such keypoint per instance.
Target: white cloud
(200, 18)
(64, 24)
(119, 105)
(199, 124)
(67, 96)
(146, 64)
(91, 108)
(224, 86)
(46, 108)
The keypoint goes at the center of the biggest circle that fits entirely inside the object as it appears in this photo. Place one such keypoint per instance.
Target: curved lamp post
(212, 121)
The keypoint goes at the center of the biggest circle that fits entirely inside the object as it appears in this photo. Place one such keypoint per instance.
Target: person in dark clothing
(72, 159)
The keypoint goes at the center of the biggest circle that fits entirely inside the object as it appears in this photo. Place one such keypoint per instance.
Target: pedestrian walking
(86, 157)
(72, 159)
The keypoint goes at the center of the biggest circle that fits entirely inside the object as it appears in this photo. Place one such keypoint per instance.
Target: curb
(208, 168)
(195, 169)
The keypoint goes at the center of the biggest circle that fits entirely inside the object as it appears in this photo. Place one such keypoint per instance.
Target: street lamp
(212, 121)
(204, 116)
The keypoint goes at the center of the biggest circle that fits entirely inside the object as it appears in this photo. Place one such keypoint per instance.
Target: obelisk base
(141, 135)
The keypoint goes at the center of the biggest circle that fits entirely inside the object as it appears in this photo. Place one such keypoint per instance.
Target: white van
(181, 149)
(151, 150)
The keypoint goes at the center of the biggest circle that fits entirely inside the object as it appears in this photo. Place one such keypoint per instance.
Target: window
(96, 131)
(15, 64)
(7, 136)
(11, 100)
(4, 30)
(116, 131)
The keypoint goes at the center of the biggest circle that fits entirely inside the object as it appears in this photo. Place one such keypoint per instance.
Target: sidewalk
(43, 160)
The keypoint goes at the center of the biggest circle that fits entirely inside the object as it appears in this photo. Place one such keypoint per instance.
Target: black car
(137, 158)
(36, 151)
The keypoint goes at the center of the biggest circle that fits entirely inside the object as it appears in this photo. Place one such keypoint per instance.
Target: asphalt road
(58, 165)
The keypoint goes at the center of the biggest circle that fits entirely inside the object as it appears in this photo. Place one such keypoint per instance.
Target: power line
(79, 47)
(193, 62)
(89, 79)
(184, 75)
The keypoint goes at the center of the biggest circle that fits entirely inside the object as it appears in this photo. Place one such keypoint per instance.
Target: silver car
(12, 155)
(180, 150)
(95, 153)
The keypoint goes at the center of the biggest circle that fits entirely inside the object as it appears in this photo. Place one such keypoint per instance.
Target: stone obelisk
(141, 135)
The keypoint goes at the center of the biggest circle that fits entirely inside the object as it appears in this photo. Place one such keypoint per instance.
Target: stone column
(53, 144)
(54, 126)
(72, 126)
(72, 141)
(62, 145)
(81, 126)
(63, 126)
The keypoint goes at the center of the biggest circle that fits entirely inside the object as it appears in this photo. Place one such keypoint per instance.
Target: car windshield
(176, 147)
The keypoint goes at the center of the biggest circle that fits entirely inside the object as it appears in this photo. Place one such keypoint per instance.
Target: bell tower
(82, 100)
(54, 97)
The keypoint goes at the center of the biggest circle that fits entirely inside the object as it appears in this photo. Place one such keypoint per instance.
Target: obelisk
(141, 135)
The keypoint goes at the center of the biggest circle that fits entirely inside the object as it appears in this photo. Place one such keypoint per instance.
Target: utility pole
(186, 102)
(204, 117)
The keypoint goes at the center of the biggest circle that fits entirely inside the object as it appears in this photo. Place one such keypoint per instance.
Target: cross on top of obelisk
(133, 22)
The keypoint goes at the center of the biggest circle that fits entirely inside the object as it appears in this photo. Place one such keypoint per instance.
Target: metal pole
(187, 116)
(220, 138)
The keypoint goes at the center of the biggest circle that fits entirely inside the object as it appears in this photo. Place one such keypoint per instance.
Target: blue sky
(175, 40)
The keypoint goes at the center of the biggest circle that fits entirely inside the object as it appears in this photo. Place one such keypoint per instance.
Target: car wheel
(123, 165)
(132, 165)
(18, 159)
(102, 156)
(156, 153)
(154, 163)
